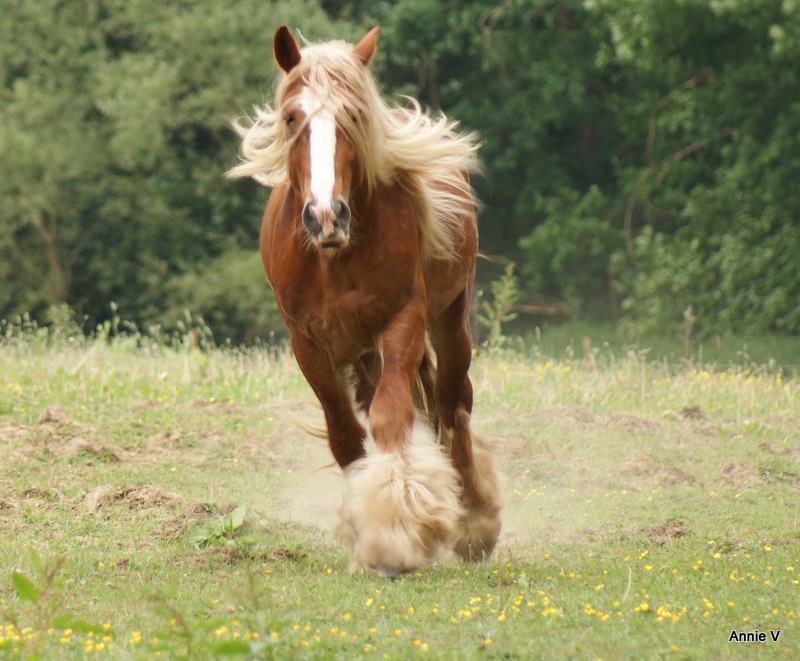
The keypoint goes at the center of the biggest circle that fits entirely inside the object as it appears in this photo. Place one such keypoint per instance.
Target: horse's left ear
(365, 49)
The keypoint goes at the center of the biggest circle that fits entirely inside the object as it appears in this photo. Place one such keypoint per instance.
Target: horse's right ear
(287, 55)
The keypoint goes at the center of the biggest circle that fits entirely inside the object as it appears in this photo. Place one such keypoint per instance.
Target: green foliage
(640, 156)
(114, 139)
(523, 75)
(497, 310)
(221, 528)
(24, 587)
(568, 254)
(42, 598)
(716, 225)
(230, 293)
(699, 209)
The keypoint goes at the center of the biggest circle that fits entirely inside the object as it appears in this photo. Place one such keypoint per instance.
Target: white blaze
(322, 141)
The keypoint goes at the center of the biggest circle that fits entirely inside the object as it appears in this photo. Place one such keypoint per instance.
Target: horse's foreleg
(391, 413)
(345, 434)
(481, 493)
(401, 506)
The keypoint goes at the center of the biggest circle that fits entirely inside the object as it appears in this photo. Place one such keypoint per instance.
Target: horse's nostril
(341, 211)
(310, 218)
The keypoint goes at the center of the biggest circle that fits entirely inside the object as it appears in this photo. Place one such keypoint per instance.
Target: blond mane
(425, 155)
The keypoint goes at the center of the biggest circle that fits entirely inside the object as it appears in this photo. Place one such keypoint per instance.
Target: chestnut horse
(369, 241)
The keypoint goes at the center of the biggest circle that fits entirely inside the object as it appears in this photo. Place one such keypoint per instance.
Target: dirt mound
(781, 420)
(735, 474)
(57, 432)
(54, 415)
(580, 417)
(8, 503)
(13, 433)
(565, 415)
(692, 413)
(134, 497)
(664, 533)
(646, 472)
(146, 404)
(630, 423)
(76, 445)
(784, 451)
(166, 440)
(176, 527)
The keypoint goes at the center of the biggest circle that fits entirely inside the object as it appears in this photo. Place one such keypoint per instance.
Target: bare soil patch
(792, 453)
(665, 533)
(643, 471)
(631, 423)
(570, 415)
(133, 497)
(736, 474)
(176, 527)
(56, 432)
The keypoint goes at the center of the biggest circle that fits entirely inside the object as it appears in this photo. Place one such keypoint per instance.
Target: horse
(369, 242)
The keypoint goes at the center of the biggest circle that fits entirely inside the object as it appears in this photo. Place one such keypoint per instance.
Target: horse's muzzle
(328, 225)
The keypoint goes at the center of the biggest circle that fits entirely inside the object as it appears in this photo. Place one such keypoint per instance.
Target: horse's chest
(348, 323)
(342, 318)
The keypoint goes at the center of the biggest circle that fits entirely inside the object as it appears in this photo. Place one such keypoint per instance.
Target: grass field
(652, 510)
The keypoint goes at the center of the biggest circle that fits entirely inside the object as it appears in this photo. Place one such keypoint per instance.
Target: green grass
(562, 340)
(652, 508)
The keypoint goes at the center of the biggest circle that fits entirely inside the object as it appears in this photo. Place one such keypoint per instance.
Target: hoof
(480, 527)
(477, 534)
(401, 511)
(388, 572)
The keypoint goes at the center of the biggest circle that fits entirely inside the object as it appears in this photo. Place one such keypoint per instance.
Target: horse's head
(321, 117)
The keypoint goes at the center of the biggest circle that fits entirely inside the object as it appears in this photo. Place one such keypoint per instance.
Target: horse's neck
(363, 207)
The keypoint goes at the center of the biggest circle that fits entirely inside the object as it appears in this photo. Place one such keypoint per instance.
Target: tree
(640, 156)
(523, 75)
(114, 138)
(711, 217)
(51, 147)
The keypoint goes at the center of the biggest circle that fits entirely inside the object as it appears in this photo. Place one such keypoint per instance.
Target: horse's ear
(287, 55)
(365, 49)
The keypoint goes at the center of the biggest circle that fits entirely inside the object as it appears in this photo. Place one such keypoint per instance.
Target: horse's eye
(288, 119)
(354, 118)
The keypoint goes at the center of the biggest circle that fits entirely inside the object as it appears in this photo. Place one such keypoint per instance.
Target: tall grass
(651, 509)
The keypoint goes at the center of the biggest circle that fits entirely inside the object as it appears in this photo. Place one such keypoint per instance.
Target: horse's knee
(390, 419)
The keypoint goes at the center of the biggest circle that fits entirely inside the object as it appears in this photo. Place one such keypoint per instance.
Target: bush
(232, 295)
(568, 254)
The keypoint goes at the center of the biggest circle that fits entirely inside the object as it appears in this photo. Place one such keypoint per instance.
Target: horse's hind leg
(366, 374)
(424, 398)
(481, 485)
